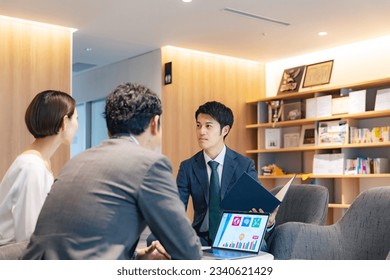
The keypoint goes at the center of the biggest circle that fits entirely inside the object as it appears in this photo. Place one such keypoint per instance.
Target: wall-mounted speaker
(168, 73)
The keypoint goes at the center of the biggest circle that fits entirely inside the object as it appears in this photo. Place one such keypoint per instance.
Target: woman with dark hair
(51, 118)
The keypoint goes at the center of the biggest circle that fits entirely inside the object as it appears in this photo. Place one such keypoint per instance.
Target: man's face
(208, 132)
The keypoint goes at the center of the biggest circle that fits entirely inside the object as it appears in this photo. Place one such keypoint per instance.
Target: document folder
(248, 193)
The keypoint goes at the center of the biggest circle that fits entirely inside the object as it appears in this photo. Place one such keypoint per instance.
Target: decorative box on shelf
(293, 111)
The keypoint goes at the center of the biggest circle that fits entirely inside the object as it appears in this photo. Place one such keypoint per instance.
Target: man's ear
(225, 130)
(154, 128)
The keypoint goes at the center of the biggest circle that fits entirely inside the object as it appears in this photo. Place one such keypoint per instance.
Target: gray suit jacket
(102, 201)
(192, 180)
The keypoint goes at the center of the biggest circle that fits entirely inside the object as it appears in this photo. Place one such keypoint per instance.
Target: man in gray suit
(106, 196)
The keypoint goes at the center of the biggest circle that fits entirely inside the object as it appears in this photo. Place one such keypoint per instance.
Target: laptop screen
(241, 231)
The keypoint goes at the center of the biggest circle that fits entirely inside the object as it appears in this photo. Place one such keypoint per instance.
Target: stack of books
(362, 165)
(367, 135)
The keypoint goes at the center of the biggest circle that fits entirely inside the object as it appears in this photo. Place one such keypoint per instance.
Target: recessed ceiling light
(88, 49)
(322, 33)
(186, 1)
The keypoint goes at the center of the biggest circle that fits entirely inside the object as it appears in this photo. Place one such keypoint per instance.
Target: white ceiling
(119, 29)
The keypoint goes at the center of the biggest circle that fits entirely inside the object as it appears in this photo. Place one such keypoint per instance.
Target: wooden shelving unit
(343, 188)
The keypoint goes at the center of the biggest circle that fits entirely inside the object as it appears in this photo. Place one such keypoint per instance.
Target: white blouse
(23, 191)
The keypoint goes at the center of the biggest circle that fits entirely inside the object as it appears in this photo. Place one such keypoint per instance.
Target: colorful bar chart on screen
(250, 245)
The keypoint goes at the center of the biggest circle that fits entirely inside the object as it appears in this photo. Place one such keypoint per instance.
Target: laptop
(239, 235)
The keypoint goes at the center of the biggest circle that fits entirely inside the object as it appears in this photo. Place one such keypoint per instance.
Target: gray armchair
(362, 233)
(303, 203)
(12, 251)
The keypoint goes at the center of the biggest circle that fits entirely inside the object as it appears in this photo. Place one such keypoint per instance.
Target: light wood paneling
(33, 58)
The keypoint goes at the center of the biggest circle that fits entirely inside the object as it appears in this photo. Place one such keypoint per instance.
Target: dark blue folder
(248, 193)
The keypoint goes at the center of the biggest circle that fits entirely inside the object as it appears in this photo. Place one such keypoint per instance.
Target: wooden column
(33, 57)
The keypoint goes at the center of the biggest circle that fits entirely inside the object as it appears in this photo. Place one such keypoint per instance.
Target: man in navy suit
(213, 123)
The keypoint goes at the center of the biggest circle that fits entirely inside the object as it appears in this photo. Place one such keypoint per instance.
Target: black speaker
(168, 73)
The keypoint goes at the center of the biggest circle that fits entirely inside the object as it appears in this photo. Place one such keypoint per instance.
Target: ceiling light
(88, 49)
(186, 1)
(322, 33)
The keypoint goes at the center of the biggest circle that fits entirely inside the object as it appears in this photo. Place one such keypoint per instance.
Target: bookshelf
(343, 188)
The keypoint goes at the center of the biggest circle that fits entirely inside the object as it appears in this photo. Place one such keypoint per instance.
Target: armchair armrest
(294, 240)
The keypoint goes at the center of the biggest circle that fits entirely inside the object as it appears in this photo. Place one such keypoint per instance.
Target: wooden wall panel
(33, 57)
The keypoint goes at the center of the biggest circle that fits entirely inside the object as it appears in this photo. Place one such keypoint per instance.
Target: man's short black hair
(218, 111)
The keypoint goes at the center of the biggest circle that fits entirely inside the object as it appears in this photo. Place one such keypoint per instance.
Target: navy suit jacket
(192, 180)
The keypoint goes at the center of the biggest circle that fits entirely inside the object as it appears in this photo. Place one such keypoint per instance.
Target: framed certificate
(318, 74)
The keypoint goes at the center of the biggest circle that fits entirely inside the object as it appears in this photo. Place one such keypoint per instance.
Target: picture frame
(291, 80)
(272, 138)
(318, 74)
(291, 140)
(308, 135)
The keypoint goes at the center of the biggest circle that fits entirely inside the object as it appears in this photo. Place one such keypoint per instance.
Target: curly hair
(45, 114)
(129, 109)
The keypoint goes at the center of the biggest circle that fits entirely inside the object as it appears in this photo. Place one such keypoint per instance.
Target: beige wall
(33, 57)
(353, 63)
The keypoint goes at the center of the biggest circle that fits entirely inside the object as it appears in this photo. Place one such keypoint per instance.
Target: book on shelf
(350, 167)
(333, 133)
(324, 106)
(329, 164)
(340, 105)
(382, 99)
(381, 165)
(311, 108)
(357, 102)
(361, 165)
(380, 134)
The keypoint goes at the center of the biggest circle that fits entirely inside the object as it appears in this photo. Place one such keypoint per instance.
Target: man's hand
(154, 252)
(271, 219)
